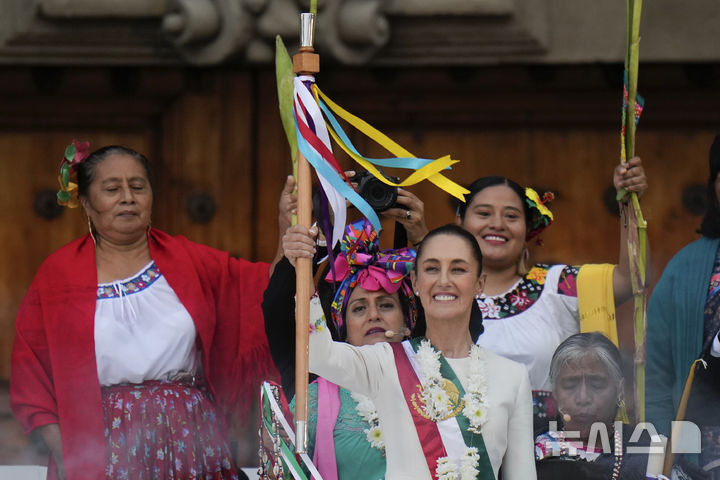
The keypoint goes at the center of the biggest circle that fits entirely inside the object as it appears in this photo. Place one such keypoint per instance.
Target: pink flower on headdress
(82, 151)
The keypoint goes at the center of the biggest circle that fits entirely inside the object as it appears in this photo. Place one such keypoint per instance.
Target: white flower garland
(367, 411)
(437, 405)
(447, 469)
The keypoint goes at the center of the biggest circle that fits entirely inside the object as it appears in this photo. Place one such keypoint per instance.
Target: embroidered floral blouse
(142, 330)
(528, 322)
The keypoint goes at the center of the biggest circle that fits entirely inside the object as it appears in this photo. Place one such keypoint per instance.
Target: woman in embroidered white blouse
(472, 408)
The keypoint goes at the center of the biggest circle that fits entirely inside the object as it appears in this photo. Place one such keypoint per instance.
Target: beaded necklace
(618, 450)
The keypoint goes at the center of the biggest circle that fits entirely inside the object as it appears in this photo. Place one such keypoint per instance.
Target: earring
(417, 293)
(622, 413)
(90, 229)
(477, 296)
(522, 268)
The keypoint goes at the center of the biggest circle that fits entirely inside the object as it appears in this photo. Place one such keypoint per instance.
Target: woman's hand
(631, 177)
(411, 215)
(51, 436)
(299, 242)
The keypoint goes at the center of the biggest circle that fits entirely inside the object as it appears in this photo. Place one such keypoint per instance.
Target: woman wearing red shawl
(132, 344)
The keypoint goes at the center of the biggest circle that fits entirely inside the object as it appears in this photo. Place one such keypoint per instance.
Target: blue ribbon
(412, 163)
(337, 182)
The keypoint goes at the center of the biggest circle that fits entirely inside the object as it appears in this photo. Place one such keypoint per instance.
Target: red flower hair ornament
(75, 154)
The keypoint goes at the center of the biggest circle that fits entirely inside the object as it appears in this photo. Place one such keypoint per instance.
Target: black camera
(380, 196)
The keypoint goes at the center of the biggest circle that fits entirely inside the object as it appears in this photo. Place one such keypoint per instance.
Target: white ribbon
(265, 391)
(335, 198)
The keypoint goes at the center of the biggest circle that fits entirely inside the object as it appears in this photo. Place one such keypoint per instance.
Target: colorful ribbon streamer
(315, 147)
(430, 171)
(318, 155)
(639, 105)
(313, 133)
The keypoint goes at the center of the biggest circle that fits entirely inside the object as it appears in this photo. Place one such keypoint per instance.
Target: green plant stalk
(284, 77)
(636, 251)
(313, 7)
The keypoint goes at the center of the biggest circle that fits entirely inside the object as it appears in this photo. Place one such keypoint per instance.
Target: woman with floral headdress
(134, 346)
(528, 310)
(373, 303)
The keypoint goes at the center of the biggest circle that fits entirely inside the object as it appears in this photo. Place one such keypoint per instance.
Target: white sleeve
(715, 347)
(519, 460)
(359, 369)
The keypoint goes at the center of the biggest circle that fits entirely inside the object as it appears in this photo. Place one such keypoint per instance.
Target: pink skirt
(162, 430)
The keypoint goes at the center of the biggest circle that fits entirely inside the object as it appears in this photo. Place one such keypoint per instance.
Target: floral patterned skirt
(162, 430)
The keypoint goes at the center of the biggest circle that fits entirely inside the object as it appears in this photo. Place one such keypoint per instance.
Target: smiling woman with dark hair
(447, 408)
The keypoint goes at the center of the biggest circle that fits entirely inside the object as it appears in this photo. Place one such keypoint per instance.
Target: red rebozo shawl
(54, 374)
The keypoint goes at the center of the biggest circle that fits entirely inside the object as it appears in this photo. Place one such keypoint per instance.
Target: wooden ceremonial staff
(305, 62)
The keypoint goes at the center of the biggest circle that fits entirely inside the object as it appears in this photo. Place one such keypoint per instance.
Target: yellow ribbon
(430, 172)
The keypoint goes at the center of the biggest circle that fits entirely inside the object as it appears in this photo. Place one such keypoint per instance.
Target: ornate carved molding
(102, 8)
(450, 7)
(355, 32)
(469, 33)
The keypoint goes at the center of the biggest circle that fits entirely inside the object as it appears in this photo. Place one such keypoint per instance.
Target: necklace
(367, 411)
(439, 404)
(618, 450)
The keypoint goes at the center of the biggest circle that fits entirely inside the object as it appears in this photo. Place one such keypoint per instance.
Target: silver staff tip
(307, 29)
(300, 436)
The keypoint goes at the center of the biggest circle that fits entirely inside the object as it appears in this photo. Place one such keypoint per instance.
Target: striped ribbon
(270, 407)
(426, 169)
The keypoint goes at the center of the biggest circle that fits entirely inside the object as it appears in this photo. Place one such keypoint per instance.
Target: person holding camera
(394, 203)
(279, 299)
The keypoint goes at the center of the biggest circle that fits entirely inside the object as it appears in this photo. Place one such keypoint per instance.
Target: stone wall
(352, 32)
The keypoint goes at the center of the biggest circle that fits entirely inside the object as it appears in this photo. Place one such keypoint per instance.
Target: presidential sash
(450, 436)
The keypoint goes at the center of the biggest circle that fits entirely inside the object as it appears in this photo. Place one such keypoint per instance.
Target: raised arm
(632, 178)
(359, 369)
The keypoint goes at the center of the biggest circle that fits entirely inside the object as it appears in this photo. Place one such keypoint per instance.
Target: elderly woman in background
(131, 344)
(587, 379)
(447, 408)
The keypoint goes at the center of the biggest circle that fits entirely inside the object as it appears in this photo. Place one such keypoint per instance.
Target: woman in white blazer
(447, 407)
